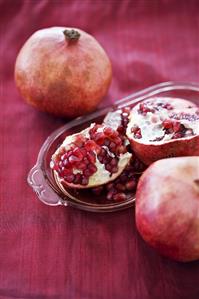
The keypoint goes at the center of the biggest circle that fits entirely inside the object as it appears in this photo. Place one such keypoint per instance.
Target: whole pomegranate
(167, 207)
(63, 71)
(162, 127)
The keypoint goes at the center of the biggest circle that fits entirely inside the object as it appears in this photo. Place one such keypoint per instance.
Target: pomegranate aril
(112, 146)
(121, 149)
(84, 181)
(118, 141)
(108, 131)
(85, 160)
(83, 151)
(114, 169)
(109, 186)
(81, 166)
(177, 135)
(131, 185)
(92, 168)
(110, 194)
(138, 134)
(167, 124)
(78, 178)
(119, 197)
(176, 126)
(73, 159)
(90, 145)
(103, 152)
(63, 157)
(91, 157)
(120, 187)
(106, 142)
(69, 178)
(87, 173)
(126, 109)
(77, 152)
(114, 162)
(100, 158)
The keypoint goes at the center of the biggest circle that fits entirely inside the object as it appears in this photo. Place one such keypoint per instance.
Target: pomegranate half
(167, 207)
(162, 127)
(63, 71)
(93, 157)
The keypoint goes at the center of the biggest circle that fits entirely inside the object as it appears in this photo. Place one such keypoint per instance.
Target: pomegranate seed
(100, 158)
(119, 197)
(126, 109)
(109, 186)
(138, 134)
(117, 141)
(69, 178)
(106, 142)
(87, 173)
(176, 126)
(66, 163)
(90, 145)
(78, 178)
(103, 152)
(81, 166)
(84, 181)
(112, 146)
(131, 185)
(83, 151)
(167, 124)
(177, 135)
(110, 194)
(73, 158)
(92, 168)
(77, 152)
(91, 157)
(121, 129)
(114, 162)
(60, 164)
(120, 187)
(86, 161)
(108, 131)
(121, 149)
(114, 169)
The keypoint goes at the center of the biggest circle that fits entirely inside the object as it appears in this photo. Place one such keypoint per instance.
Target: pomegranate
(164, 127)
(167, 207)
(63, 71)
(93, 157)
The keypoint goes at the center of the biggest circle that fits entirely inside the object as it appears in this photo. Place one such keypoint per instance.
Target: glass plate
(41, 178)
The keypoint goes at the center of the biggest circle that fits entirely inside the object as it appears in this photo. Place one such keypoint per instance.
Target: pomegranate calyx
(71, 34)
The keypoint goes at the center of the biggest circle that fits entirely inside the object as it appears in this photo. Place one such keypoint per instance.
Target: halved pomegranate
(163, 127)
(93, 157)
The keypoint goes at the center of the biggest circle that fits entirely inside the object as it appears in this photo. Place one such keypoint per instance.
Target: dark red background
(52, 253)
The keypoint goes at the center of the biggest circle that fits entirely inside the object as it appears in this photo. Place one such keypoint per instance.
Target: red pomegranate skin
(167, 207)
(61, 76)
(181, 147)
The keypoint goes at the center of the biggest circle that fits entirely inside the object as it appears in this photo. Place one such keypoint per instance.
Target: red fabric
(48, 252)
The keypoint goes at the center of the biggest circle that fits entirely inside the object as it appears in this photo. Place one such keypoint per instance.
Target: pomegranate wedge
(93, 157)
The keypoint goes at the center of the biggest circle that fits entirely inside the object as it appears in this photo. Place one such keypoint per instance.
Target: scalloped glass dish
(41, 177)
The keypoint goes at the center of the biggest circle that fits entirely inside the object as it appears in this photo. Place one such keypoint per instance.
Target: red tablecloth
(52, 253)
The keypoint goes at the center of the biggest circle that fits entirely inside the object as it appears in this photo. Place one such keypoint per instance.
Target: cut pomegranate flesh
(92, 157)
